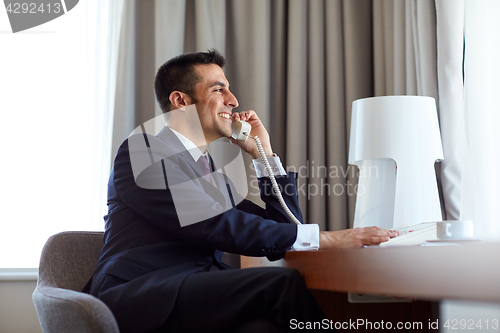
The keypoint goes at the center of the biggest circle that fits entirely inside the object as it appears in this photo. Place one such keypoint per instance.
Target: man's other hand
(352, 238)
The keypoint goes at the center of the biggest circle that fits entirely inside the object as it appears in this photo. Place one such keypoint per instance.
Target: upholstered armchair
(67, 262)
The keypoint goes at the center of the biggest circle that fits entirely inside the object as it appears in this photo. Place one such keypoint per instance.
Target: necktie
(205, 168)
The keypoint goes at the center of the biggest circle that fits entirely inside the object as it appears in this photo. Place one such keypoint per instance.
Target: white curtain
(450, 43)
(103, 31)
(469, 49)
(481, 130)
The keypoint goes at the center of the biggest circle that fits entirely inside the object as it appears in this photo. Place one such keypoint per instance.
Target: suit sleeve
(245, 229)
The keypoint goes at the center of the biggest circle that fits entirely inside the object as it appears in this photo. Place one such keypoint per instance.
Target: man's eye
(219, 90)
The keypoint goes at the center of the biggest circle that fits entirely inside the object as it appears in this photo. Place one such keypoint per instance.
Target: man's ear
(179, 100)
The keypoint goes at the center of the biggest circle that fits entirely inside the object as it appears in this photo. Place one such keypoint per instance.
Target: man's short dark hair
(179, 74)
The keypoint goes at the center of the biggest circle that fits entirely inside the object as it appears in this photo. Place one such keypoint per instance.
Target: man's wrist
(268, 152)
(322, 239)
(308, 238)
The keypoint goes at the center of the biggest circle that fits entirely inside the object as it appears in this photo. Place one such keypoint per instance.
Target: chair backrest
(69, 258)
(67, 262)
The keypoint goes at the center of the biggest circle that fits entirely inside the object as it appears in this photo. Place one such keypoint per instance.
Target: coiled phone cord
(273, 179)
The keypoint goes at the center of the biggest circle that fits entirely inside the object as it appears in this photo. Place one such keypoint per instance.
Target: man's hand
(257, 129)
(352, 238)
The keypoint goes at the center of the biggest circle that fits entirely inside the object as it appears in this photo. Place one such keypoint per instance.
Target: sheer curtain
(469, 46)
(481, 130)
(103, 31)
(450, 44)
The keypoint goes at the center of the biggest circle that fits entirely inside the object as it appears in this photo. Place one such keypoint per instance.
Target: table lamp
(395, 141)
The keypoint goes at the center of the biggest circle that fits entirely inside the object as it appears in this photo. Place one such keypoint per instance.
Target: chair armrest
(64, 310)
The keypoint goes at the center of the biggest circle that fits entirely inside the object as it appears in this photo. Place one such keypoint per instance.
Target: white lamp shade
(395, 141)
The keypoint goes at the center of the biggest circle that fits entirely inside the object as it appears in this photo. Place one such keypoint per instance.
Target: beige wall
(17, 313)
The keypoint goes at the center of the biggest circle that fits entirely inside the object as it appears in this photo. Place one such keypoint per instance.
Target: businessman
(171, 215)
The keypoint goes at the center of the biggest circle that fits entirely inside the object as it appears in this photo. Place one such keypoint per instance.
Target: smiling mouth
(225, 115)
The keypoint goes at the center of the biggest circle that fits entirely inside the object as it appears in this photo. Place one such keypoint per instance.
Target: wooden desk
(469, 271)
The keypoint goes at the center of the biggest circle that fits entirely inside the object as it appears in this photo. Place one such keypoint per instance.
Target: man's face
(214, 102)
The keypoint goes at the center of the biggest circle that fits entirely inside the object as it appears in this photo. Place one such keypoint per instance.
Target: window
(55, 143)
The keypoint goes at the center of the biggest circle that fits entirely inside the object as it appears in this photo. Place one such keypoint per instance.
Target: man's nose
(231, 101)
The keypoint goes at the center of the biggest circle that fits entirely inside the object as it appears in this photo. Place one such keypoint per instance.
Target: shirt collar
(190, 146)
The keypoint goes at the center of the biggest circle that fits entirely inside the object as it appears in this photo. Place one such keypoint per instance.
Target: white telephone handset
(241, 129)
(241, 132)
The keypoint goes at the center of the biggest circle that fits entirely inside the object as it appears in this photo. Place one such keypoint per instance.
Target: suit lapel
(173, 141)
(218, 192)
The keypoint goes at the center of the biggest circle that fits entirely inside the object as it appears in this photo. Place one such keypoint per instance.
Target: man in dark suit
(170, 217)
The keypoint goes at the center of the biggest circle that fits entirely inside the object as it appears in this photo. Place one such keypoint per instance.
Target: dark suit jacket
(147, 253)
